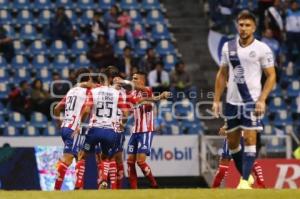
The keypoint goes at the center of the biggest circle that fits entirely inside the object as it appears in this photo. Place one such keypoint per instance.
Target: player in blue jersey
(243, 61)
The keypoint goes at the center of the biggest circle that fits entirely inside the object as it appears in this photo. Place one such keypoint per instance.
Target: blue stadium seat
(21, 4)
(165, 47)
(3, 62)
(154, 17)
(10, 31)
(268, 129)
(135, 16)
(3, 111)
(4, 89)
(169, 62)
(31, 130)
(141, 47)
(5, 4)
(17, 120)
(38, 120)
(129, 4)
(277, 103)
(160, 31)
(50, 130)
(2, 122)
(293, 89)
(25, 17)
(11, 131)
(44, 74)
(119, 46)
(19, 47)
(67, 4)
(42, 5)
(40, 61)
(58, 47)
(295, 106)
(38, 47)
(3, 74)
(60, 62)
(21, 74)
(28, 32)
(85, 4)
(283, 118)
(151, 4)
(65, 72)
(6, 17)
(87, 17)
(79, 47)
(276, 91)
(171, 129)
(72, 16)
(20, 61)
(106, 4)
(81, 61)
(44, 17)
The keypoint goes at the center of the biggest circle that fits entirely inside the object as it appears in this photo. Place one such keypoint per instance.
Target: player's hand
(222, 131)
(260, 108)
(165, 95)
(58, 123)
(216, 108)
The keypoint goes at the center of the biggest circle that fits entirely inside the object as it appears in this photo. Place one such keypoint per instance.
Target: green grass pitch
(156, 194)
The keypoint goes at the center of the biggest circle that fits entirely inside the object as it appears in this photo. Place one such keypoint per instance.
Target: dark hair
(127, 48)
(148, 49)
(55, 74)
(82, 75)
(245, 14)
(35, 81)
(178, 63)
(22, 83)
(111, 72)
(140, 73)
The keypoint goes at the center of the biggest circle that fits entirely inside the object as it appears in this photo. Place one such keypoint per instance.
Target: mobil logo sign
(174, 153)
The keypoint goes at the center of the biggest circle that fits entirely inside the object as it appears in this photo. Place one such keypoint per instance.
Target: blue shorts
(72, 145)
(107, 138)
(140, 143)
(120, 142)
(242, 117)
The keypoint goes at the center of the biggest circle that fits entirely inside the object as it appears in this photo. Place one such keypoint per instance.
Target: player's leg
(257, 170)
(131, 160)
(98, 162)
(66, 160)
(119, 159)
(145, 142)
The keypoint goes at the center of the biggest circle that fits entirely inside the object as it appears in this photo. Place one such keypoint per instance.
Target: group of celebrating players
(106, 105)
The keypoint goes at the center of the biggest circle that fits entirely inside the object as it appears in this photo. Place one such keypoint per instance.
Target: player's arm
(58, 109)
(220, 85)
(267, 88)
(163, 95)
(87, 107)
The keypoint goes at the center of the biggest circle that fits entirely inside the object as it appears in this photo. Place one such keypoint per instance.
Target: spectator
(272, 43)
(148, 62)
(124, 21)
(6, 45)
(61, 27)
(138, 32)
(40, 98)
(274, 20)
(97, 27)
(102, 53)
(111, 19)
(60, 87)
(126, 62)
(19, 99)
(292, 31)
(181, 84)
(263, 5)
(159, 79)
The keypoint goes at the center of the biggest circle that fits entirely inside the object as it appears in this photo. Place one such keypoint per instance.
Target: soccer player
(73, 105)
(104, 103)
(139, 145)
(243, 61)
(225, 161)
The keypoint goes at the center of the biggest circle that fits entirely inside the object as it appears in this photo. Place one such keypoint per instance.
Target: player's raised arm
(58, 109)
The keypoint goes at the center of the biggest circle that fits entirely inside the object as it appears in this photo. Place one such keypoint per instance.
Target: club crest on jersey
(252, 54)
(232, 53)
(239, 75)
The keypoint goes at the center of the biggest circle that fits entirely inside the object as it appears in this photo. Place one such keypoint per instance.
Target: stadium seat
(277, 103)
(81, 61)
(141, 47)
(135, 16)
(2, 121)
(85, 4)
(4, 89)
(165, 47)
(10, 31)
(11, 131)
(42, 5)
(4, 4)
(19, 47)
(28, 32)
(169, 62)
(3, 62)
(17, 120)
(38, 120)
(20, 61)
(60, 62)
(21, 74)
(44, 74)
(106, 4)
(67, 4)
(160, 31)
(295, 105)
(3, 74)
(79, 47)
(72, 16)
(58, 47)
(25, 17)
(40, 61)
(151, 4)
(268, 130)
(119, 46)
(129, 4)
(44, 17)
(21, 4)
(6, 17)
(38, 47)
(87, 17)
(282, 118)
(293, 89)
(50, 130)
(276, 145)
(154, 17)
(31, 130)
(65, 72)
(276, 91)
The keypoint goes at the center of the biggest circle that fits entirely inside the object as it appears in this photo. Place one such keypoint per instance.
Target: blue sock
(248, 161)
(237, 156)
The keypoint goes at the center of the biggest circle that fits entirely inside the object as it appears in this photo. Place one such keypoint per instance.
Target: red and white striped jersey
(105, 102)
(74, 103)
(120, 112)
(143, 113)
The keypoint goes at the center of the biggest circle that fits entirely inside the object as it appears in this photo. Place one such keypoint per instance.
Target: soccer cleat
(251, 180)
(103, 185)
(244, 184)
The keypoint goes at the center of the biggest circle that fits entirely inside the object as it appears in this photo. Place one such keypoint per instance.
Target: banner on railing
(278, 173)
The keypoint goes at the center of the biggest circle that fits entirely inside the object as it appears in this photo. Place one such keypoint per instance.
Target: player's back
(105, 102)
(75, 100)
